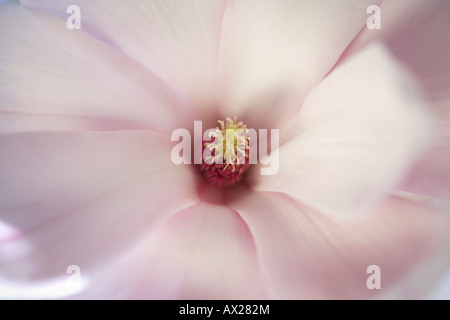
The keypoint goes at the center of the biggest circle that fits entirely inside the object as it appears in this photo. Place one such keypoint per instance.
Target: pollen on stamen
(228, 154)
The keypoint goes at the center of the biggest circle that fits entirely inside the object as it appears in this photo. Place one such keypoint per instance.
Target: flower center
(226, 156)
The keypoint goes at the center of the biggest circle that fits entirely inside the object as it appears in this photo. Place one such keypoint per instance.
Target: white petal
(204, 252)
(273, 52)
(82, 198)
(359, 132)
(176, 40)
(417, 33)
(53, 78)
(307, 255)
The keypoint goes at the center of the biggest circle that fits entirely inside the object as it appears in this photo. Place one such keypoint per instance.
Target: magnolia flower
(87, 182)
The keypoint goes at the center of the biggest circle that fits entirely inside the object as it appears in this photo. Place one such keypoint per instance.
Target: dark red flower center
(226, 155)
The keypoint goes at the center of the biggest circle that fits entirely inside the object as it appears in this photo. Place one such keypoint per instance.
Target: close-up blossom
(347, 197)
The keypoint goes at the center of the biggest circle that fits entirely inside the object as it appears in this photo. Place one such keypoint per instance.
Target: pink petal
(176, 40)
(273, 52)
(53, 78)
(307, 255)
(358, 133)
(82, 198)
(204, 252)
(417, 33)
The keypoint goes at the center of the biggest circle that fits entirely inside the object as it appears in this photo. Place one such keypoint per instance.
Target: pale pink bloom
(85, 169)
